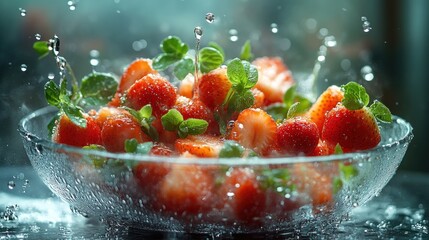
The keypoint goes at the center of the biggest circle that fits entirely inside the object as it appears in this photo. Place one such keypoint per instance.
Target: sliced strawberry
(274, 78)
(118, 128)
(66, 132)
(195, 108)
(242, 192)
(259, 98)
(324, 103)
(186, 189)
(154, 90)
(353, 129)
(297, 135)
(255, 129)
(213, 87)
(135, 71)
(200, 145)
(186, 86)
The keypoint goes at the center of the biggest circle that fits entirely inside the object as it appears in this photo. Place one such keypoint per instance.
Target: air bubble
(23, 12)
(210, 17)
(23, 67)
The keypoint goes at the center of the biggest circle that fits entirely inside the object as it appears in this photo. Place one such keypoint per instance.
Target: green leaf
(348, 171)
(337, 184)
(338, 149)
(52, 124)
(289, 95)
(174, 45)
(96, 161)
(171, 120)
(231, 149)
(41, 48)
(246, 51)
(277, 111)
(183, 68)
(75, 114)
(239, 102)
(193, 126)
(145, 111)
(98, 88)
(381, 112)
(133, 146)
(293, 110)
(304, 103)
(251, 74)
(355, 96)
(52, 94)
(164, 60)
(277, 179)
(210, 58)
(217, 47)
(236, 73)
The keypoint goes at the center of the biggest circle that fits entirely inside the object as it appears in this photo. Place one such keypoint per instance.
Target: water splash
(38, 36)
(11, 184)
(10, 213)
(366, 25)
(198, 32)
(23, 12)
(210, 17)
(23, 67)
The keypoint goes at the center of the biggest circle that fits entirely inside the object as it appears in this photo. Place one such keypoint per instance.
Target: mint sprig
(210, 58)
(133, 146)
(277, 180)
(145, 118)
(246, 51)
(173, 121)
(231, 149)
(97, 89)
(41, 48)
(381, 112)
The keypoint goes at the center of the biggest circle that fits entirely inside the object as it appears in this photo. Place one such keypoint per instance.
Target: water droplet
(11, 185)
(346, 64)
(330, 41)
(51, 76)
(198, 31)
(323, 32)
(139, 45)
(230, 194)
(274, 28)
(54, 45)
(233, 35)
(94, 53)
(23, 67)
(366, 73)
(61, 62)
(94, 62)
(210, 17)
(72, 5)
(311, 24)
(23, 12)
(366, 25)
(37, 36)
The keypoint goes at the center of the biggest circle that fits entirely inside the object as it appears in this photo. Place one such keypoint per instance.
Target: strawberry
(186, 189)
(160, 149)
(66, 132)
(322, 149)
(135, 71)
(199, 145)
(104, 113)
(118, 128)
(243, 193)
(195, 108)
(297, 135)
(186, 87)
(259, 98)
(213, 87)
(254, 129)
(149, 175)
(154, 90)
(168, 137)
(274, 78)
(352, 124)
(324, 103)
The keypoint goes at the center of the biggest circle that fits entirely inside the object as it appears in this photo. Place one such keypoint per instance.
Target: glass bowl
(296, 193)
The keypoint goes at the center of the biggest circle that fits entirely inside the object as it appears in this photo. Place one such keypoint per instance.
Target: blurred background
(380, 44)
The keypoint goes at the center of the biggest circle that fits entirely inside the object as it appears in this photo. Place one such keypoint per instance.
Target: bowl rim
(206, 161)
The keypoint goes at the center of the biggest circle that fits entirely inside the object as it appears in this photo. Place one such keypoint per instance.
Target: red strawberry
(186, 189)
(135, 71)
(66, 132)
(154, 90)
(274, 78)
(186, 86)
(297, 135)
(168, 137)
(259, 98)
(353, 129)
(255, 129)
(104, 113)
(160, 149)
(322, 149)
(324, 103)
(200, 145)
(195, 108)
(242, 192)
(118, 128)
(213, 87)
(149, 175)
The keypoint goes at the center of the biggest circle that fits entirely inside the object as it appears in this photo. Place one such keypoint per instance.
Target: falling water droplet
(94, 62)
(366, 73)
(11, 184)
(37, 36)
(330, 41)
(233, 35)
(274, 28)
(23, 67)
(72, 5)
(198, 31)
(366, 25)
(23, 12)
(51, 76)
(210, 17)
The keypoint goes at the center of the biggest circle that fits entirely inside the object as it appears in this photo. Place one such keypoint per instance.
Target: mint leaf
(289, 95)
(338, 149)
(145, 118)
(98, 89)
(337, 184)
(355, 96)
(277, 179)
(174, 46)
(183, 68)
(348, 171)
(171, 120)
(246, 51)
(239, 102)
(131, 145)
(52, 124)
(75, 115)
(210, 58)
(251, 74)
(145, 111)
(164, 60)
(41, 48)
(52, 94)
(217, 47)
(231, 149)
(278, 111)
(236, 73)
(293, 110)
(96, 161)
(381, 112)
(192, 126)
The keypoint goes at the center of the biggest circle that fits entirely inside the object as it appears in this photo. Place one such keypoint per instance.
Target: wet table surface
(28, 210)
